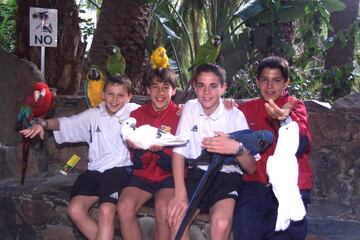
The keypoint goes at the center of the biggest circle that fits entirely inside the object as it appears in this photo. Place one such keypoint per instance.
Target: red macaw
(35, 105)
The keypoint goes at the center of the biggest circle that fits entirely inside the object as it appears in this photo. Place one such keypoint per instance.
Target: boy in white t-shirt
(109, 162)
(201, 118)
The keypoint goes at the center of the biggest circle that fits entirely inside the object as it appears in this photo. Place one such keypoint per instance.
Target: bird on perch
(35, 106)
(159, 58)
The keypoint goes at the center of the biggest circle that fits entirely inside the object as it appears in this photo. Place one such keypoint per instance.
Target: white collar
(118, 114)
(216, 114)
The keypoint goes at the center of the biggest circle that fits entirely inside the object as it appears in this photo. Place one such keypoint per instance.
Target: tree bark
(62, 64)
(124, 23)
(338, 57)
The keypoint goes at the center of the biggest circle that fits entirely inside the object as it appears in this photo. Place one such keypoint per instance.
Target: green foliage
(347, 76)
(87, 26)
(356, 86)
(270, 37)
(7, 25)
(249, 30)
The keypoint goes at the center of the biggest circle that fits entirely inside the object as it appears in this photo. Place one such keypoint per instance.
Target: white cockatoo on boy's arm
(146, 135)
(283, 171)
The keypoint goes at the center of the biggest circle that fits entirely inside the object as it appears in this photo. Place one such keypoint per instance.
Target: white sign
(43, 27)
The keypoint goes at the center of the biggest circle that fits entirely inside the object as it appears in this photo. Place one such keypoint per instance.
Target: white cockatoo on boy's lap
(283, 171)
(146, 135)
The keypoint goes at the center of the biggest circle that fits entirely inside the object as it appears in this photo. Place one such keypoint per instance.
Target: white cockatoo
(283, 171)
(146, 135)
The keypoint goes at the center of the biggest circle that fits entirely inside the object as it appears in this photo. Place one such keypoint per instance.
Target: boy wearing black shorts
(201, 118)
(109, 162)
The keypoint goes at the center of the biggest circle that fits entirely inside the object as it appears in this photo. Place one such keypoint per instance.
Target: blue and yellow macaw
(93, 86)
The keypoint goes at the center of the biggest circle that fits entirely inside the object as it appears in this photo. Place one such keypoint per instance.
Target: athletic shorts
(150, 187)
(107, 185)
(224, 185)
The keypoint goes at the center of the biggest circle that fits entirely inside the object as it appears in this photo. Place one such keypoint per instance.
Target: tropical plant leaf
(250, 10)
(235, 53)
(169, 32)
(293, 10)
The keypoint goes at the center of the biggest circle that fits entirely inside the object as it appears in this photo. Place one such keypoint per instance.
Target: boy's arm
(247, 162)
(223, 144)
(39, 127)
(297, 112)
(179, 202)
(279, 113)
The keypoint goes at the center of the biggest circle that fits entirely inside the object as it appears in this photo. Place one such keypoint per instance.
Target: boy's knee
(107, 210)
(74, 211)
(221, 225)
(124, 210)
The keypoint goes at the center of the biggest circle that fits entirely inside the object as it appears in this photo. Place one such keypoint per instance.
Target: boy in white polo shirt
(109, 162)
(206, 117)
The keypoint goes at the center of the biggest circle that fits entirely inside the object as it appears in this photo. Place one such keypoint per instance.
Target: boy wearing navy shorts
(109, 162)
(201, 118)
(152, 175)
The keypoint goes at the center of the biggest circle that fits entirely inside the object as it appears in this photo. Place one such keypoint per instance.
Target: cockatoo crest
(146, 135)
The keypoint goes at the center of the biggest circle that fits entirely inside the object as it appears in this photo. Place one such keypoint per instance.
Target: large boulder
(336, 152)
(18, 77)
(45, 157)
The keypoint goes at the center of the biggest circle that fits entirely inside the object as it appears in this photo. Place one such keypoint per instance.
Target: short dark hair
(274, 62)
(213, 68)
(119, 79)
(163, 75)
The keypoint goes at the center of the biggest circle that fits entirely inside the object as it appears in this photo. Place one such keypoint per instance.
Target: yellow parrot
(159, 59)
(93, 86)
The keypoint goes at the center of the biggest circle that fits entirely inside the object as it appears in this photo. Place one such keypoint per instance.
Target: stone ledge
(150, 211)
(39, 208)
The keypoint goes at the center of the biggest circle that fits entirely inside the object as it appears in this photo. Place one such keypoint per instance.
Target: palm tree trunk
(124, 23)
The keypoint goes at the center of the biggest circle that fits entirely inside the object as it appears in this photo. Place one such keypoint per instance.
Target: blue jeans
(256, 212)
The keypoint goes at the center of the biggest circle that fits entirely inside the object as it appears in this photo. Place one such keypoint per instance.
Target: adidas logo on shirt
(194, 128)
(115, 195)
(234, 193)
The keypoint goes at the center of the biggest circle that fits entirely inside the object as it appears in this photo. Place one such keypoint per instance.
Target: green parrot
(115, 62)
(208, 52)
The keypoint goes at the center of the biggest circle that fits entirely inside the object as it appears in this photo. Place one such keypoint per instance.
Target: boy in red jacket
(152, 174)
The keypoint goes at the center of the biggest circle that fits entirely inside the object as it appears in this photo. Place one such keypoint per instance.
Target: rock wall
(37, 210)
(336, 152)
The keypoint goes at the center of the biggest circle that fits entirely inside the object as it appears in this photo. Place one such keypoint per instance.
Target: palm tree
(124, 23)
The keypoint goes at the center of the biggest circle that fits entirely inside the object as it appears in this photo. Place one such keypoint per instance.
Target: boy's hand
(131, 145)
(176, 209)
(34, 130)
(222, 144)
(229, 103)
(155, 148)
(181, 108)
(279, 113)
